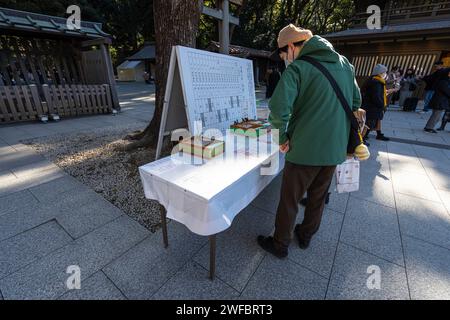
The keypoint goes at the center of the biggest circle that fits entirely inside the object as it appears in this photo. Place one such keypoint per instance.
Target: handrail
(424, 11)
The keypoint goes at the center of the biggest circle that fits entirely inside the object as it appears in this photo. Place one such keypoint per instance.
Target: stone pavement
(397, 223)
(409, 126)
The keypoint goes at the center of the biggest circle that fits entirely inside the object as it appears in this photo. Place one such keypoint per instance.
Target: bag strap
(337, 90)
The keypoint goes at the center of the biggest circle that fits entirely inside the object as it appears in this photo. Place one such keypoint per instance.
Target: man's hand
(284, 148)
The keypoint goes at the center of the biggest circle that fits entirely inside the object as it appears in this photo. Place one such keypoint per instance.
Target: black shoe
(382, 137)
(303, 244)
(268, 244)
(440, 129)
(304, 201)
(430, 130)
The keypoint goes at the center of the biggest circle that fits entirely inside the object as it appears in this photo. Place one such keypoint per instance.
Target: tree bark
(176, 23)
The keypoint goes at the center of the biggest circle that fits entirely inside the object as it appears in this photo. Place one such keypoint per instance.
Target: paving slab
(49, 191)
(433, 157)
(375, 188)
(373, 228)
(84, 219)
(146, 267)
(426, 220)
(352, 271)
(320, 254)
(72, 199)
(447, 153)
(6, 150)
(37, 130)
(428, 270)
(238, 253)
(439, 178)
(445, 198)
(96, 287)
(18, 200)
(34, 169)
(192, 283)
(46, 278)
(27, 247)
(23, 219)
(414, 184)
(378, 163)
(7, 177)
(338, 201)
(16, 159)
(278, 279)
(37, 178)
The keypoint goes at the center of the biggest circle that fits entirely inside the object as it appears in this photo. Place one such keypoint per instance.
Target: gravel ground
(93, 159)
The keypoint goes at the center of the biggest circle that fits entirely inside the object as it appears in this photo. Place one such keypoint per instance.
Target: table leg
(212, 256)
(164, 228)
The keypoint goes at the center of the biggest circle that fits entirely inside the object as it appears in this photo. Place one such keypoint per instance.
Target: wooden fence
(20, 103)
(26, 61)
(23, 103)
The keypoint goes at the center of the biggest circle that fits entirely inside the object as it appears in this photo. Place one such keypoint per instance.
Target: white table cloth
(207, 197)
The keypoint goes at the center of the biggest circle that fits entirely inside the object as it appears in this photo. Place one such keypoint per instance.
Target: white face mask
(287, 62)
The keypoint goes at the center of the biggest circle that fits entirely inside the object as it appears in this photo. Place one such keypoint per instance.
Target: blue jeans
(428, 96)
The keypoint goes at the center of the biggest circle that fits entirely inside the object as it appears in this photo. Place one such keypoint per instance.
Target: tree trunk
(176, 23)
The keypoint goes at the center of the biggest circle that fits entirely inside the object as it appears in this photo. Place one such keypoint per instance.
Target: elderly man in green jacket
(314, 131)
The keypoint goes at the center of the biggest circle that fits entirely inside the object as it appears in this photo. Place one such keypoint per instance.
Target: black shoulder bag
(355, 138)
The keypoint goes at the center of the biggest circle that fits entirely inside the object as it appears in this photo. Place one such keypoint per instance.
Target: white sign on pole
(208, 88)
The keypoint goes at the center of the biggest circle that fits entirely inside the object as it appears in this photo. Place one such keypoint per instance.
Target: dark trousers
(298, 179)
(434, 119)
(445, 119)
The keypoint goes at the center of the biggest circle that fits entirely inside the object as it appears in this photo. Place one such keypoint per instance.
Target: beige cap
(292, 34)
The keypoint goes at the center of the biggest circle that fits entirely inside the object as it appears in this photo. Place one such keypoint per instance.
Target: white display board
(208, 88)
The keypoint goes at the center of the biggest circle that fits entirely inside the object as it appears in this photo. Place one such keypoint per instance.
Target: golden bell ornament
(362, 152)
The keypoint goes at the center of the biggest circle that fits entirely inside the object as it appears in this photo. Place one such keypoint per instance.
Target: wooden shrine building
(261, 58)
(48, 70)
(414, 34)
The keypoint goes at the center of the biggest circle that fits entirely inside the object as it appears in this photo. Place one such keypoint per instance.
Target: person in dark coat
(374, 94)
(272, 81)
(430, 81)
(440, 101)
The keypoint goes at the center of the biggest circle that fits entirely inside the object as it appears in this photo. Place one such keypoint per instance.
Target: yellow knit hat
(292, 34)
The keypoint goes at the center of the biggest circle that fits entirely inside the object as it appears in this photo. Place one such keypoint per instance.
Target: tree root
(145, 142)
(136, 135)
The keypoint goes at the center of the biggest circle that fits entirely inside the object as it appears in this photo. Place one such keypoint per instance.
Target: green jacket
(305, 109)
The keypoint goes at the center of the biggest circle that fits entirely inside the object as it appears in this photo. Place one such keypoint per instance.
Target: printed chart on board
(219, 89)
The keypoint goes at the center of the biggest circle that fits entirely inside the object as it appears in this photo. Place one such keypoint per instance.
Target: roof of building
(148, 52)
(419, 28)
(15, 20)
(240, 51)
(129, 64)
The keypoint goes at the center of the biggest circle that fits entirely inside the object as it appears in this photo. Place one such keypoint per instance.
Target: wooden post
(110, 75)
(164, 227)
(222, 14)
(212, 257)
(225, 28)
